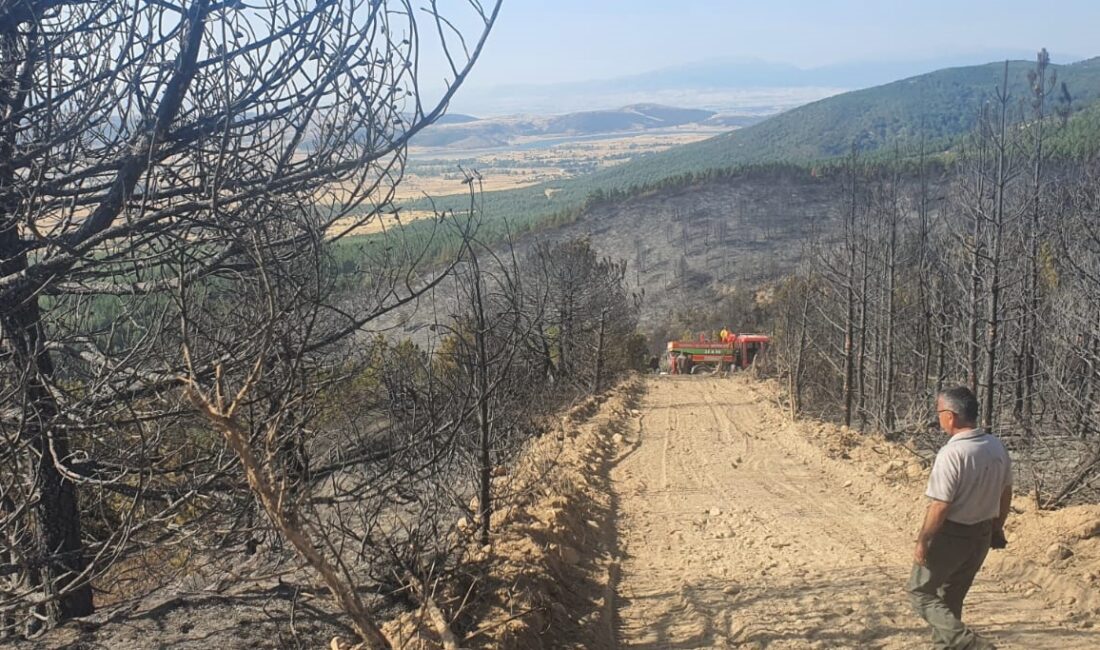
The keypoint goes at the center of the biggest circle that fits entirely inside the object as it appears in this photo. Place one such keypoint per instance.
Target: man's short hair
(961, 401)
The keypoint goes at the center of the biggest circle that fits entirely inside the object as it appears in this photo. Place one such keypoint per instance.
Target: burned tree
(586, 302)
(1002, 237)
(153, 157)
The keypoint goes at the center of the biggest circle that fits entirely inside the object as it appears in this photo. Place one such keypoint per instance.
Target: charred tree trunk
(891, 275)
(546, 356)
(56, 524)
(597, 380)
(1088, 365)
(941, 351)
(1039, 89)
(924, 280)
(796, 372)
(799, 359)
(56, 552)
(849, 299)
(861, 355)
(565, 334)
(56, 549)
(993, 314)
(484, 423)
(973, 342)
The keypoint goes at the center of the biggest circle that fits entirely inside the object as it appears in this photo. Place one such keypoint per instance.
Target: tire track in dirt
(755, 539)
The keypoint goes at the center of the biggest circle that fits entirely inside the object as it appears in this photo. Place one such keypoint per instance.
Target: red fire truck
(703, 355)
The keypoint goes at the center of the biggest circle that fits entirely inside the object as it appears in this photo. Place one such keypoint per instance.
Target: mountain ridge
(709, 83)
(936, 108)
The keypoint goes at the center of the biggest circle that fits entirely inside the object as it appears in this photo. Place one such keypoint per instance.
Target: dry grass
(435, 171)
(534, 160)
(377, 223)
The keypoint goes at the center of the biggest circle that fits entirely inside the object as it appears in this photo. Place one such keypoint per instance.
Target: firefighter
(724, 335)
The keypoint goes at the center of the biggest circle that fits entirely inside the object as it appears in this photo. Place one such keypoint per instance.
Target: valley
(532, 159)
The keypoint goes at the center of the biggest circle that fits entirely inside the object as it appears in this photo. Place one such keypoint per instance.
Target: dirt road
(736, 532)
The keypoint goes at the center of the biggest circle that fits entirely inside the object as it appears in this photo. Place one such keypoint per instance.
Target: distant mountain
(937, 106)
(724, 85)
(748, 73)
(472, 132)
(629, 118)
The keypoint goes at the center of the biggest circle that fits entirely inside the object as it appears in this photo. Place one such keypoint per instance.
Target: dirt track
(736, 532)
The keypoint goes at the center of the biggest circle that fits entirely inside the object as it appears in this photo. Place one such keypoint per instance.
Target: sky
(551, 41)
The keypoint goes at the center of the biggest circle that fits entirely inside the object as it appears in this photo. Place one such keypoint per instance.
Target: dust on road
(737, 532)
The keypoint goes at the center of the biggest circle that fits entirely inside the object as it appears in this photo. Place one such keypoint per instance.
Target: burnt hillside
(700, 254)
(686, 246)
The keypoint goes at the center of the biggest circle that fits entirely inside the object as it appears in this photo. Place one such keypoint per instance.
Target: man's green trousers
(937, 589)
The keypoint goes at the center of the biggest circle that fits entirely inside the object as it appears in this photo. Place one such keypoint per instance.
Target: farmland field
(438, 171)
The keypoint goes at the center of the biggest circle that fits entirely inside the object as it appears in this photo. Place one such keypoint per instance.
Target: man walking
(970, 490)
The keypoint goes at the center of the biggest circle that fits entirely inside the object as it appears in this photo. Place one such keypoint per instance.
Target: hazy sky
(544, 41)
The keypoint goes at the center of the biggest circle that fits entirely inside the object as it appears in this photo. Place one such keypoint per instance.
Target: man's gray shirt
(971, 471)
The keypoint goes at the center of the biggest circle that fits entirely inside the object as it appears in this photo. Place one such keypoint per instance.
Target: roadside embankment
(547, 580)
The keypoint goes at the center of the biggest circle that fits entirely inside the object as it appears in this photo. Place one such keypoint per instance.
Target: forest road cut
(734, 531)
